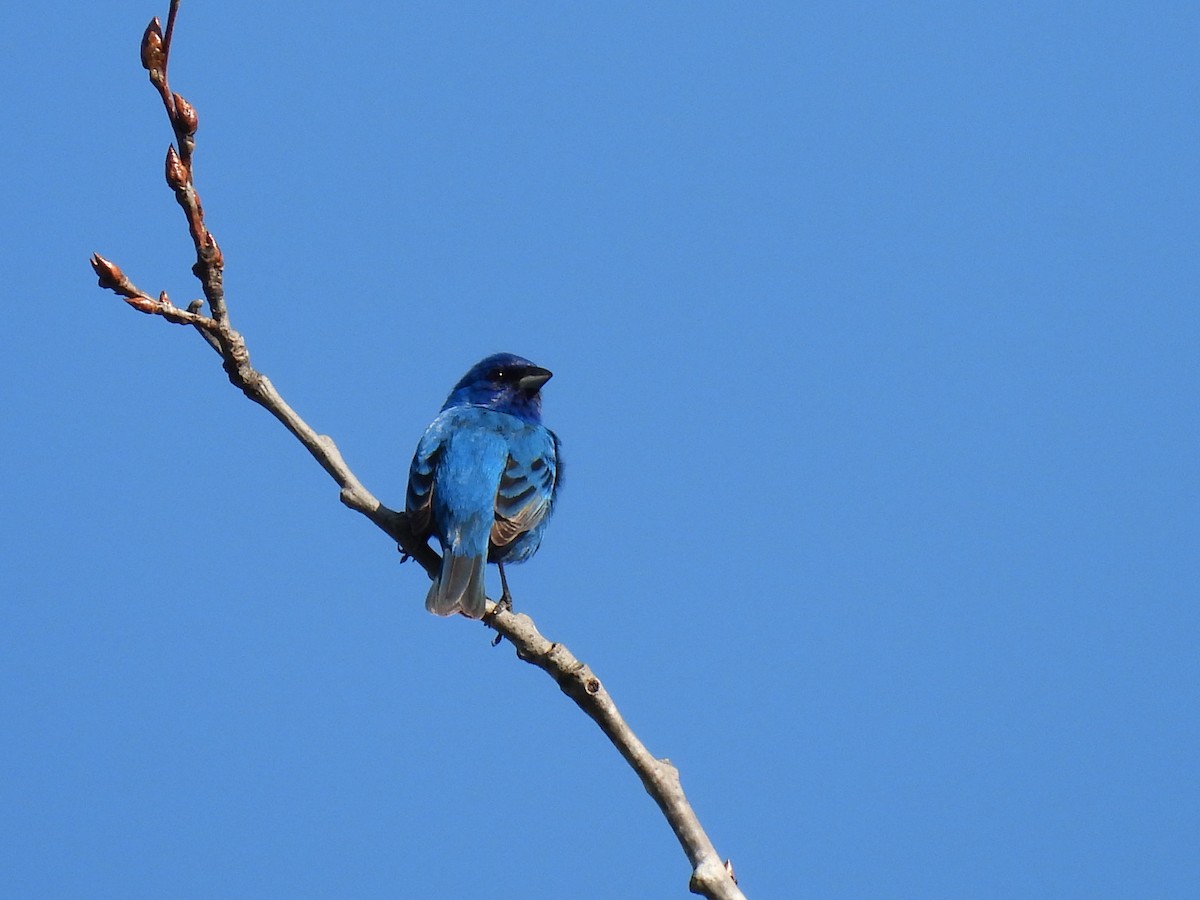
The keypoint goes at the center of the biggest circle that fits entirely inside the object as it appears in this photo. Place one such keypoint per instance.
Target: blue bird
(483, 480)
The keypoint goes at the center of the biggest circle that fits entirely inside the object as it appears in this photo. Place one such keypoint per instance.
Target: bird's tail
(459, 587)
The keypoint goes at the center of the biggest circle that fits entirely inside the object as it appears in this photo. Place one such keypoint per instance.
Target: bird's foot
(505, 596)
(504, 604)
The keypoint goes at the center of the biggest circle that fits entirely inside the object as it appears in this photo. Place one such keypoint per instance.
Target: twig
(209, 265)
(710, 877)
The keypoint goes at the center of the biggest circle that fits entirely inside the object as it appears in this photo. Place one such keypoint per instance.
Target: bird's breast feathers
(473, 459)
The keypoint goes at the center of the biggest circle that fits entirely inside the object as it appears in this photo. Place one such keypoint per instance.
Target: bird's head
(503, 382)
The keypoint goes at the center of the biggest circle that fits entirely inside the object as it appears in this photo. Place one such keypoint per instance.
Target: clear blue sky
(875, 332)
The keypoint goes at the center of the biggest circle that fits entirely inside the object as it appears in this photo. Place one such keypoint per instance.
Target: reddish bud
(215, 258)
(177, 176)
(108, 273)
(142, 303)
(153, 57)
(185, 115)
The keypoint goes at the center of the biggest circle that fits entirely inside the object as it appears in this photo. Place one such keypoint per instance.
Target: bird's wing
(419, 500)
(526, 492)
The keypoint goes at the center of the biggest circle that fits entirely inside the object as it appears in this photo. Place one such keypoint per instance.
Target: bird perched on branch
(483, 480)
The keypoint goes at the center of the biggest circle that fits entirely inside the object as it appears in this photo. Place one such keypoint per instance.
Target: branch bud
(142, 303)
(177, 176)
(110, 276)
(153, 57)
(212, 251)
(185, 115)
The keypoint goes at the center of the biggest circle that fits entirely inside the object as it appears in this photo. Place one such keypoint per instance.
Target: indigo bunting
(484, 479)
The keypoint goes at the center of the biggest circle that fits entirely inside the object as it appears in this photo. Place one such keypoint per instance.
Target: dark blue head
(503, 382)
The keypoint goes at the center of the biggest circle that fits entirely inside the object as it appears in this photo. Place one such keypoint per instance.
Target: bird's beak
(533, 379)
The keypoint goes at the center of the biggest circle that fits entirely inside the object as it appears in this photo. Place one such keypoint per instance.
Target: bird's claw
(504, 604)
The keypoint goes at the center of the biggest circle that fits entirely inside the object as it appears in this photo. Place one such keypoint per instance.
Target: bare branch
(111, 277)
(710, 876)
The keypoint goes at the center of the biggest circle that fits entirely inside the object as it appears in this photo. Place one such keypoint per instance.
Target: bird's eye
(498, 375)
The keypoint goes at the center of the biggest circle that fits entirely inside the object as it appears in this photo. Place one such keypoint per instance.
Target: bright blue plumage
(484, 478)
